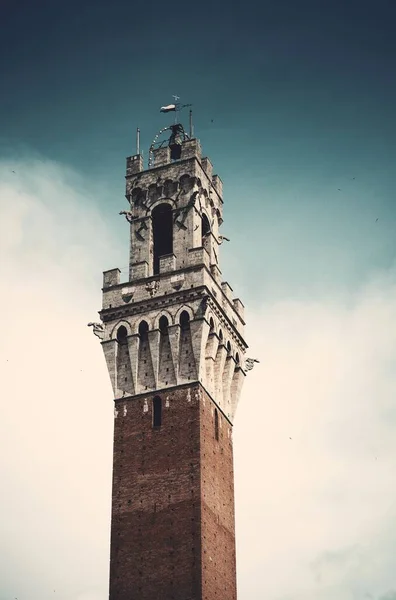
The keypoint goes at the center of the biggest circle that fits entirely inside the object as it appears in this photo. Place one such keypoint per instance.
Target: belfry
(173, 340)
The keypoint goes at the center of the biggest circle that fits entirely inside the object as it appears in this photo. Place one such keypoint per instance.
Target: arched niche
(162, 224)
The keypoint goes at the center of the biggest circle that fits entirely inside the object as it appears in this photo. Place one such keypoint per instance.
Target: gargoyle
(98, 329)
(222, 239)
(128, 215)
(249, 363)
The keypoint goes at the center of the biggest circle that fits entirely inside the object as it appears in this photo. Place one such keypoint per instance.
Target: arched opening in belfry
(143, 331)
(187, 367)
(163, 325)
(216, 425)
(162, 222)
(185, 321)
(166, 369)
(157, 412)
(145, 374)
(205, 229)
(122, 335)
(123, 365)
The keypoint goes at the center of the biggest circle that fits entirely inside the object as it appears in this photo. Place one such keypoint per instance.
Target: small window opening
(162, 233)
(205, 228)
(157, 412)
(143, 331)
(185, 321)
(211, 325)
(122, 335)
(216, 424)
(163, 325)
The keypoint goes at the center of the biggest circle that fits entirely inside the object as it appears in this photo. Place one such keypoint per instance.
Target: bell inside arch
(175, 141)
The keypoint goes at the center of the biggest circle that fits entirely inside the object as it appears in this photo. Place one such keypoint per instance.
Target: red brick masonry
(172, 532)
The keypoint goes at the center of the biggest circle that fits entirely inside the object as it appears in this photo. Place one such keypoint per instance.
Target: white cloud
(315, 513)
(56, 424)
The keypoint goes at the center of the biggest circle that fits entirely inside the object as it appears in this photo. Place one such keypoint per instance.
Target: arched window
(221, 336)
(205, 228)
(162, 232)
(143, 331)
(122, 335)
(185, 320)
(163, 325)
(211, 325)
(216, 424)
(157, 412)
(237, 358)
(228, 348)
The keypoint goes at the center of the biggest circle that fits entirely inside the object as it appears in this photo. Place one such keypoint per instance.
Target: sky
(294, 104)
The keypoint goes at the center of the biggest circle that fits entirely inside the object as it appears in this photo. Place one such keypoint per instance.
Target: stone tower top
(175, 285)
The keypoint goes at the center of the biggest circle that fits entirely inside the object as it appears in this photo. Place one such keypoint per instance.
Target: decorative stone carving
(249, 363)
(152, 287)
(98, 329)
(128, 215)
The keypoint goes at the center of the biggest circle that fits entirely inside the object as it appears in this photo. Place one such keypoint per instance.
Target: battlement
(134, 165)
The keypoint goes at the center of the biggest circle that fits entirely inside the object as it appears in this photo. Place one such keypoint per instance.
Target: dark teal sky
(301, 94)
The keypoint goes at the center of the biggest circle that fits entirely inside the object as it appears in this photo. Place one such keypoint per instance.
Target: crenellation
(239, 307)
(139, 270)
(216, 273)
(191, 149)
(161, 156)
(134, 164)
(227, 290)
(218, 185)
(198, 256)
(111, 277)
(207, 167)
(167, 263)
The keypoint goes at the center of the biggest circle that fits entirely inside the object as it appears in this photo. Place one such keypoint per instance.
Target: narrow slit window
(216, 424)
(157, 412)
(205, 229)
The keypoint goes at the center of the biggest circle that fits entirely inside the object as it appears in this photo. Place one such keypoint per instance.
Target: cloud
(315, 513)
(56, 397)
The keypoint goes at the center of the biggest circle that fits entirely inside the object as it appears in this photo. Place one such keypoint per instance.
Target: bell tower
(172, 337)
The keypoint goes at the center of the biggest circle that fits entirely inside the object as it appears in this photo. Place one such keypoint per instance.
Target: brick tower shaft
(173, 500)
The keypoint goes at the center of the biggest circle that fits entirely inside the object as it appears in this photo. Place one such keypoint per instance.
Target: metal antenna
(138, 141)
(191, 125)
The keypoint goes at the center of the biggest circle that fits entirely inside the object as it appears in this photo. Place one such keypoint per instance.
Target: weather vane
(178, 134)
(176, 107)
